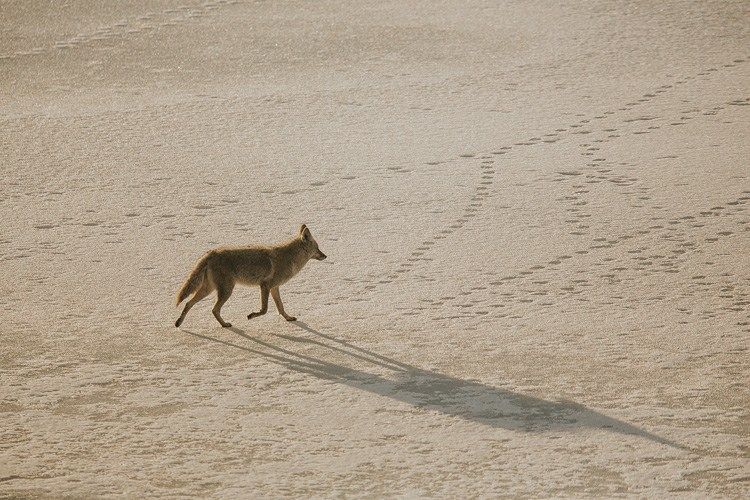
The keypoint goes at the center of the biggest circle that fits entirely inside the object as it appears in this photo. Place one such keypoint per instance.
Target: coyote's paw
(226, 325)
(290, 318)
(178, 323)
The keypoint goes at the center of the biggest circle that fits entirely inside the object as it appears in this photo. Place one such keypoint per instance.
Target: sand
(536, 217)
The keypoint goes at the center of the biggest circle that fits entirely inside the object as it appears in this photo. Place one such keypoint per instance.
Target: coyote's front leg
(279, 305)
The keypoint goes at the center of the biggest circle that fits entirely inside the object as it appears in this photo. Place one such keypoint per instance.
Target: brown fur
(268, 267)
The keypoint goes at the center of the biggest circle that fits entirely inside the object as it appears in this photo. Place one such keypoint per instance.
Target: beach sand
(537, 228)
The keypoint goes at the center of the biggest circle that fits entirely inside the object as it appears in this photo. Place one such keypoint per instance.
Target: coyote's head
(310, 244)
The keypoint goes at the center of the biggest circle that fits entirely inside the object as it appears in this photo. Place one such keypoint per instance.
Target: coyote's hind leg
(200, 294)
(222, 295)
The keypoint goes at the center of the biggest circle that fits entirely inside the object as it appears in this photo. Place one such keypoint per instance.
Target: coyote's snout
(266, 267)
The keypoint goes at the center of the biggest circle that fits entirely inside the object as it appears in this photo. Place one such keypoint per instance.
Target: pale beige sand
(537, 218)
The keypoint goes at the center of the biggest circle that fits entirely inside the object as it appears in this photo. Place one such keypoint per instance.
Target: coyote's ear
(302, 228)
(304, 233)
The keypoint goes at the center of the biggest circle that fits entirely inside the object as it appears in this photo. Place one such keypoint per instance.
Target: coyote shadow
(466, 399)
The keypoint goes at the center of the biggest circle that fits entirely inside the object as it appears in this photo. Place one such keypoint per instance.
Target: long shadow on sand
(465, 399)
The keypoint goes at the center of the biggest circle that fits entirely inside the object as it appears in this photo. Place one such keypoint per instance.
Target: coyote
(267, 267)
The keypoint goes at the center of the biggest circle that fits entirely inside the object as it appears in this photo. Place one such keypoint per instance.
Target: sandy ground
(536, 216)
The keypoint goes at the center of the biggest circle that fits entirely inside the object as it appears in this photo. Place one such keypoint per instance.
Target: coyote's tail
(194, 280)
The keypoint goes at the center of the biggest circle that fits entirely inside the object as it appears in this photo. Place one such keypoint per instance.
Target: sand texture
(537, 228)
